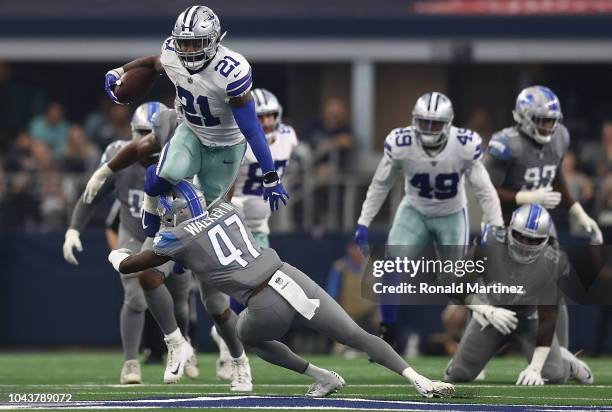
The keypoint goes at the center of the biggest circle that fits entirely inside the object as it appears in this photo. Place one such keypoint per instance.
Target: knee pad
(133, 295)
(150, 279)
(244, 336)
(215, 303)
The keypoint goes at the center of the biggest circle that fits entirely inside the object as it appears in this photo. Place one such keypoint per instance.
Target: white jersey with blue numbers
(434, 185)
(248, 190)
(204, 96)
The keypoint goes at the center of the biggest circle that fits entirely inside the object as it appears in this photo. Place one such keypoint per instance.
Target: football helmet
(196, 36)
(538, 113)
(528, 233)
(142, 119)
(267, 103)
(184, 202)
(432, 118)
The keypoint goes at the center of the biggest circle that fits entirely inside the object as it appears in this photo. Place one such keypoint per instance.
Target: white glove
(544, 196)
(504, 320)
(117, 256)
(95, 182)
(530, 377)
(72, 240)
(428, 388)
(578, 215)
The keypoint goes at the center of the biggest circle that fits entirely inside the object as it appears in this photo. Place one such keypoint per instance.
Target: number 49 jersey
(204, 95)
(248, 190)
(434, 185)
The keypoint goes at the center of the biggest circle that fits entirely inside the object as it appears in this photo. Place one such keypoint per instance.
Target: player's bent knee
(135, 301)
(222, 317)
(554, 374)
(216, 305)
(150, 279)
(458, 373)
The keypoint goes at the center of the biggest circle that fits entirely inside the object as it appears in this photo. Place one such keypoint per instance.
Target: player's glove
(117, 256)
(273, 190)
(504, 320)
(361, 239)
(72, 240)
(428, 388)
(150, 219)
(492, 232)
(579, 216)
(544, 196)
(532, 374)
(95, 182)
(112, 79)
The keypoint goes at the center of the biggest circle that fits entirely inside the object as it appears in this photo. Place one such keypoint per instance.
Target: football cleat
(579, 370)
(331, 384)
(224, 366)
(179, 354)
(130, 373)
(241, 375)
(192, 370)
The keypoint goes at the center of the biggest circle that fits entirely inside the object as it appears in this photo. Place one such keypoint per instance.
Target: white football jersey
(434, 185)
(204, 96)
(248, 190)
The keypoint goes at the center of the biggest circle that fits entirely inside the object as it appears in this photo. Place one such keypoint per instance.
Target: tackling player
(212, 86)
(525, 165)
(218, 248)
(523, 257)
(433, 156)
(128, 187)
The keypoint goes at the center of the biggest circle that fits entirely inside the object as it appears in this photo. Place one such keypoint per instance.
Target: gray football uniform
(164, 125)
(540, 280)
(516, 162)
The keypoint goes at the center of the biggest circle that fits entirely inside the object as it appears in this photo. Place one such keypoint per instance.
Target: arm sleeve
(486, 193)
(83, 212)
(382, 182)
(166, 243)
(247, 121)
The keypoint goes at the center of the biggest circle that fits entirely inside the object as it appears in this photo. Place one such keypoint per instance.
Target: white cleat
(481, 376)
(579, 370)
(331, 384)
(192, 370)
(224, 364)
(130, 373)
(433, 389)
(178, 355)
(241, 380)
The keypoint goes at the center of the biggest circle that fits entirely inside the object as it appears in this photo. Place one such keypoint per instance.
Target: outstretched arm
(126, 263)
(134, 151)
(486, 194)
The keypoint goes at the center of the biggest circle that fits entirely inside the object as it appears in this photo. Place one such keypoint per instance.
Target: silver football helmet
(528, 233)
(432, 118)
(267, 103)
(142, 119)
(196, 36)
(184, 202)
(538, 113)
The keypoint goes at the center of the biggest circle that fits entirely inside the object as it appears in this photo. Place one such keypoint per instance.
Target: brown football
(135, 84)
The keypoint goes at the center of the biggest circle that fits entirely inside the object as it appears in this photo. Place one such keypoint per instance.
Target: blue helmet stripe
(192, 198)
(534, 214)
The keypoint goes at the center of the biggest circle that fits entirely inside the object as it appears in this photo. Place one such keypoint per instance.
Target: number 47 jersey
(204, 96)
(434, 185)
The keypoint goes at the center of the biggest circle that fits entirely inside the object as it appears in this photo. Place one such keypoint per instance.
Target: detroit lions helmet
(142, 119)
(538, 113)
(184, 202)
(267, 103)
(432, 118)
(528, 233)
(196, 36)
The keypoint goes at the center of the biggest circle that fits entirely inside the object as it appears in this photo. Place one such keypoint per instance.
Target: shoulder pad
(288, 132)
(232, 72)
(397, 138)
(166, 243)
(500, 144)
(112, 149)
(168, 45)
(470, 142)
(164, 124)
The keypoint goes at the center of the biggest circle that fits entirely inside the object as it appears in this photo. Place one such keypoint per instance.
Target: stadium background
(372, 59)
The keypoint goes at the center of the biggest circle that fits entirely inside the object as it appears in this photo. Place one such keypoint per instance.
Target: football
(135, 84)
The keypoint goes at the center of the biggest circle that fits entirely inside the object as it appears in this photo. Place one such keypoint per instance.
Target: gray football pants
(478, 346)
(268, 317)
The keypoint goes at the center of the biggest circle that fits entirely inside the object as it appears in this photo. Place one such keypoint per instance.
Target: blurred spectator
(479, 120)
(19, 157)
(80, 155)
(116, 126)
(604, 159)
(344, 285)
(51, 127)
(579, 184)
(331, 138)
(20, 205)
(603, 208)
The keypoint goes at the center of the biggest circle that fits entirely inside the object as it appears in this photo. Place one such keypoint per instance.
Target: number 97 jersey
(248, 190)
(204, 96)
(434, 185)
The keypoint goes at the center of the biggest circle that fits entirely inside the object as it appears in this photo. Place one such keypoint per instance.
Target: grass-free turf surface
(95, 376)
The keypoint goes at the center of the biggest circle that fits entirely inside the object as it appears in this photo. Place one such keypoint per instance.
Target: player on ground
(525, 165)
(212, 85)
(433, 156)
(128, 187)
(218, 248)
(154, 282)
(521, 257)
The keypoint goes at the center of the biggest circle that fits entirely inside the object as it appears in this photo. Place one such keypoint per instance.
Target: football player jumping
(433, 156)
(212, 86)
(215, 244)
